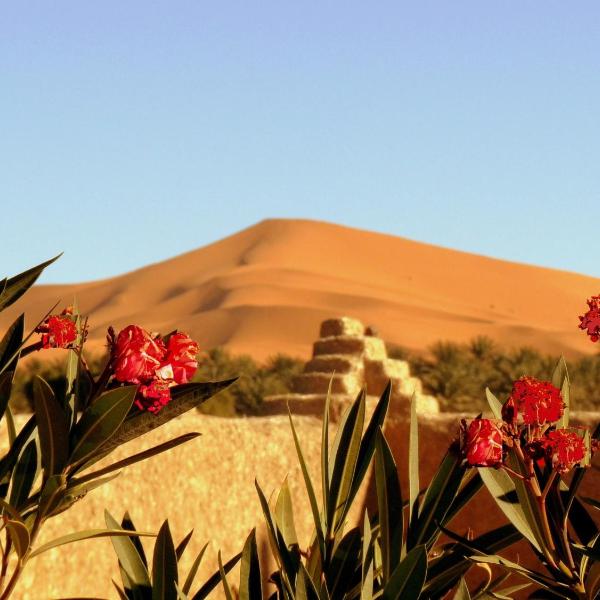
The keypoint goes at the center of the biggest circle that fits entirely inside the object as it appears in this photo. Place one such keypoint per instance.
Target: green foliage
(457, 374)
(255, 381)
(392, 557)
(78, 420)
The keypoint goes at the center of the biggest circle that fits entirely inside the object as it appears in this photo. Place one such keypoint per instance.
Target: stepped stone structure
(347, 356)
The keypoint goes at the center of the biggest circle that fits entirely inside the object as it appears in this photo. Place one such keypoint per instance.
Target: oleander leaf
(15, 287)
(164, 566)
(250, 578)
(53, 428)
(100, 421)
(406, 582)
(19, 534)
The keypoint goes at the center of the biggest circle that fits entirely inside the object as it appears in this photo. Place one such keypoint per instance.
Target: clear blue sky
(133, 131)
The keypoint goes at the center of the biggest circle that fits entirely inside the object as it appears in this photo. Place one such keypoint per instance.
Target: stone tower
(349, 357)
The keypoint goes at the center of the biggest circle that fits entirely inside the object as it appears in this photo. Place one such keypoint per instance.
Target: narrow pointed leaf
(19, 534)
(344, 465)
(100, 421)
(214, 581)
(189, 580)
(305, 587)
(164, 566)
(413, 462)
(52, 426)
(406, 582)
(309, 489)
(325, 448)
(16, 286)
(366, 590)
(183, 398)
(250, 579)
(494, 403)
(127, 523)
(389, 503)
(24, 475)
(10, 346)
(462, 592)
(183, 545)
(284, 516)
(114, 534)
(145, 454)
(129, 558)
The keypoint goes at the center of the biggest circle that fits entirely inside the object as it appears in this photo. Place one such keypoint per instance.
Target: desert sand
(267, 288)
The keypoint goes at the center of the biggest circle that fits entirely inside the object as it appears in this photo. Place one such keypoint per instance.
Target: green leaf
(309, 490)
(16, 286)
(413, 462)
(367, 444)
(389, 503)
(114, 534)
(24, 475)
(193, 570)
(343, 566)
(76, 491)
(129, 557)
(438, 498)
(137, 457)
(503, 490)
(250, 579)
(53, 428)
(538, 578)
(495, 404)
(284, 516)
(127, 523)
(6, 381)
(164, 566)
(406, 582)
(100, 421)
(183, 545)
(10, 345)
(366, 589)
(214, 581)
(19, 534)
(462, 592)
(226, 588)
(345, 454)
(183, 398)
(287, 560)
(560, 380)
(305, 587)
(325, 449)
(52, 494)
(11, 430)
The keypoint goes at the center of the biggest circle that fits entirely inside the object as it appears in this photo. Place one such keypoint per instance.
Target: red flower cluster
(482, 443)
(154, 363)
(537, 405)
(565, 449)
(58, 331)
(590, 321)
(539, 402)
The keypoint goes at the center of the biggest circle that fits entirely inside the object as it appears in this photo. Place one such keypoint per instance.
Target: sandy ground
(267, 288)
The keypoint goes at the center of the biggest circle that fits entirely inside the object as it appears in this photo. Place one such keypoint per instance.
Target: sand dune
(266, 289)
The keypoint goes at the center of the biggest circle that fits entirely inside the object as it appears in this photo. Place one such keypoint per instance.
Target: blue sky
(134, 131)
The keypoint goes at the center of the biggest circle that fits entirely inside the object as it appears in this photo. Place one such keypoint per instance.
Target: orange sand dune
(267, 288)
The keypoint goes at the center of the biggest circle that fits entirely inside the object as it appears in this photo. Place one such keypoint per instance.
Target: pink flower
(566, 449)
(58, 331)
(137, 355)
(482, 443)
(590, 321)
(154, 396)
(539, 402)
(181, 357)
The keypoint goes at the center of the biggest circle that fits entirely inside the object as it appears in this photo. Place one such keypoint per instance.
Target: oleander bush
(51, 462)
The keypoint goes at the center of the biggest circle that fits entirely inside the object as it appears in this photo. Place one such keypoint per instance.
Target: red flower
(482, 443)
(590, 321)
(58, 331)
(538, 401)
(137, 355)
(181, 358)
(154, 396)
(565, 448)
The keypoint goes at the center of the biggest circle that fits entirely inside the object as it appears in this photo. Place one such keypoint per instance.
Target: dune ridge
(266, 288)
